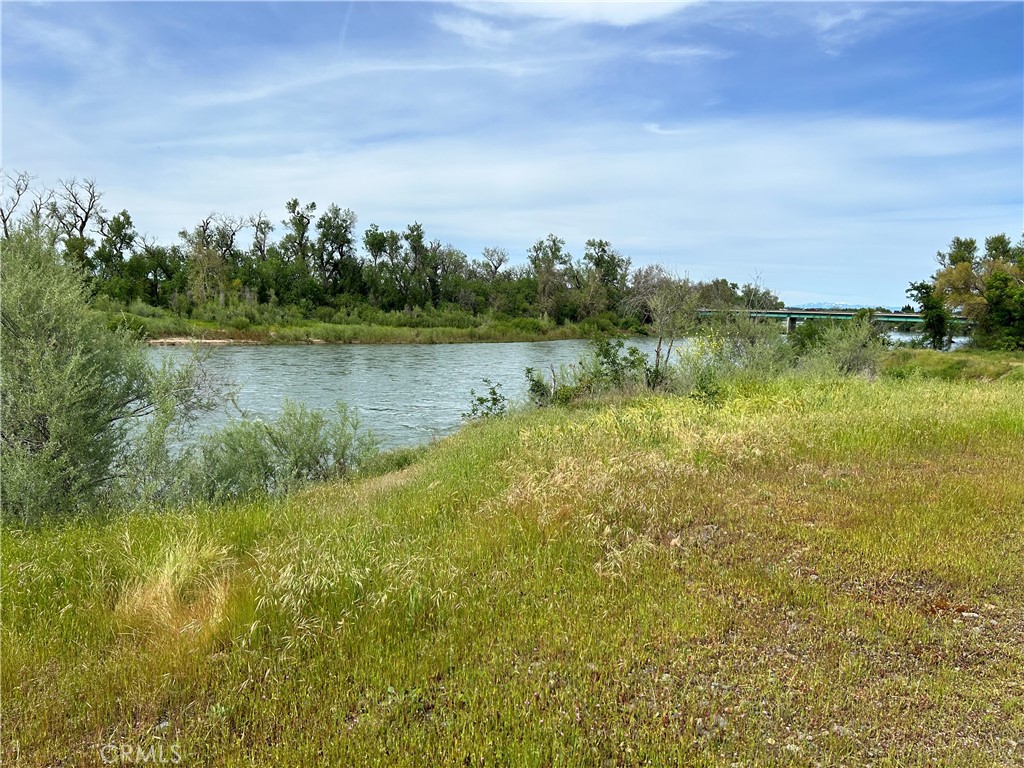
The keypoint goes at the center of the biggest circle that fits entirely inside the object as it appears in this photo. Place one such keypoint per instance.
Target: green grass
(166, 325)
(805, 573)
(955, 365)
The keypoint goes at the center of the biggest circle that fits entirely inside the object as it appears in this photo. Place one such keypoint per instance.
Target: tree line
(317, 261)
(985, 287)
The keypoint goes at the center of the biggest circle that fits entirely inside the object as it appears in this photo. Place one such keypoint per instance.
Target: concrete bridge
(793, 316)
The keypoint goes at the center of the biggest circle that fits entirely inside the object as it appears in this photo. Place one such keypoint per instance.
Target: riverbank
(169, 329)
(806, 572)
(325, 333)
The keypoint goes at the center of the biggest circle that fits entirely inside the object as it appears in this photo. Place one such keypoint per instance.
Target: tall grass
(288, 325)
(797, 572)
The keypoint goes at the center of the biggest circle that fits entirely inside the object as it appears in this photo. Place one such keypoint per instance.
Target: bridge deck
(793, 315)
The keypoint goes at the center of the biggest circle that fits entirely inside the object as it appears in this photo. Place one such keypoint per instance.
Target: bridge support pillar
(790, 324)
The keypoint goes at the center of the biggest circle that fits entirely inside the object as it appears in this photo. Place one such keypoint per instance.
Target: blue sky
(826, 149)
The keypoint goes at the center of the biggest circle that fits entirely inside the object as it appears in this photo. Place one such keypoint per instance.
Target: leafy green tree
(297, 243)
(549, 261)
(988, 289)
(112, 255)
(755, 296)
(388, 274)
(610, 271)
(936, 317)
(335, 259)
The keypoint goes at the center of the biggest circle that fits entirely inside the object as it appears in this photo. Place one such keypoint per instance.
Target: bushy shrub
(71, 388)
(808, 334)
(488, 405)
(251, 456)
(608, 367)
(703, 365)
(852, 347)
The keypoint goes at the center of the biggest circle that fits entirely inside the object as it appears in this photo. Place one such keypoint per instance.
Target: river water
(407, 394)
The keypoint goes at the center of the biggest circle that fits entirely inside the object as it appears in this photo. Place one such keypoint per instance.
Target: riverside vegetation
(795, 571)
(753, 551)
(227, 277)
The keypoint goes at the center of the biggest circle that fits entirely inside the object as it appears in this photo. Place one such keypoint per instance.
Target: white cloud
(618, 14)
(824, 202)
(510, 138)
(685, 53)
(474, 30)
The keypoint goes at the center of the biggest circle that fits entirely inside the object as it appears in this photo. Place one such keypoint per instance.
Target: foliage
(807, 335)
(853, 346)
(72, 388)
(987, 288)
(937, 326)
(489, 405)
(231, 275)
(251, 456)
(608, 367)
(704, 365)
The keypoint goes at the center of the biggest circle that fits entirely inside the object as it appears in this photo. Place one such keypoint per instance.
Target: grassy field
(805, 572)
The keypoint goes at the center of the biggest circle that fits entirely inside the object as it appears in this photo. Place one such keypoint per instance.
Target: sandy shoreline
(181, 341)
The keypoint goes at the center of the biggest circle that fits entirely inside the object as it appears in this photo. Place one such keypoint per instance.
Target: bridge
(793, 316)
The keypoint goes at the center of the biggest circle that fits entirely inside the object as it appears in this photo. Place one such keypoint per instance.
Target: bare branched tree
(15, 185)
(76, 206)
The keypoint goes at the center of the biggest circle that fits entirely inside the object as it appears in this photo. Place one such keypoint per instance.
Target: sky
(825, 150)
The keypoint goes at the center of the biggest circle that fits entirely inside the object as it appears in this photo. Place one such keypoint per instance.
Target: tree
(70, 388)
(205, 266)
(335, 261)
(76, 210)
(549, 261)
(297, 243)
(988, 290)
(112, 254)
(611, 270)
(757, 297)
(493, 260)
(936, 318)
(668, 304)
(15, 188)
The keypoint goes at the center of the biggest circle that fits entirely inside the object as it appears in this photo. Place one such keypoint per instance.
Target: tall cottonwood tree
(549, 261)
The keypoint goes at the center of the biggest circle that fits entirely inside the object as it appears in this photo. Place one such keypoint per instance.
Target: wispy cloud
(618, 14)
(474, 30)
(837, 27)
(685, 53)
(793, 141)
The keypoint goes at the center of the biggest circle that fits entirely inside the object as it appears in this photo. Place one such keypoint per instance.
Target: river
(407, 394)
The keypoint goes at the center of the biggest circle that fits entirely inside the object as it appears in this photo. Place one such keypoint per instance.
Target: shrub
(703, 365)
(71, 388)
(852, 347)
(489, 405)
(609, 367)
(250, 456)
